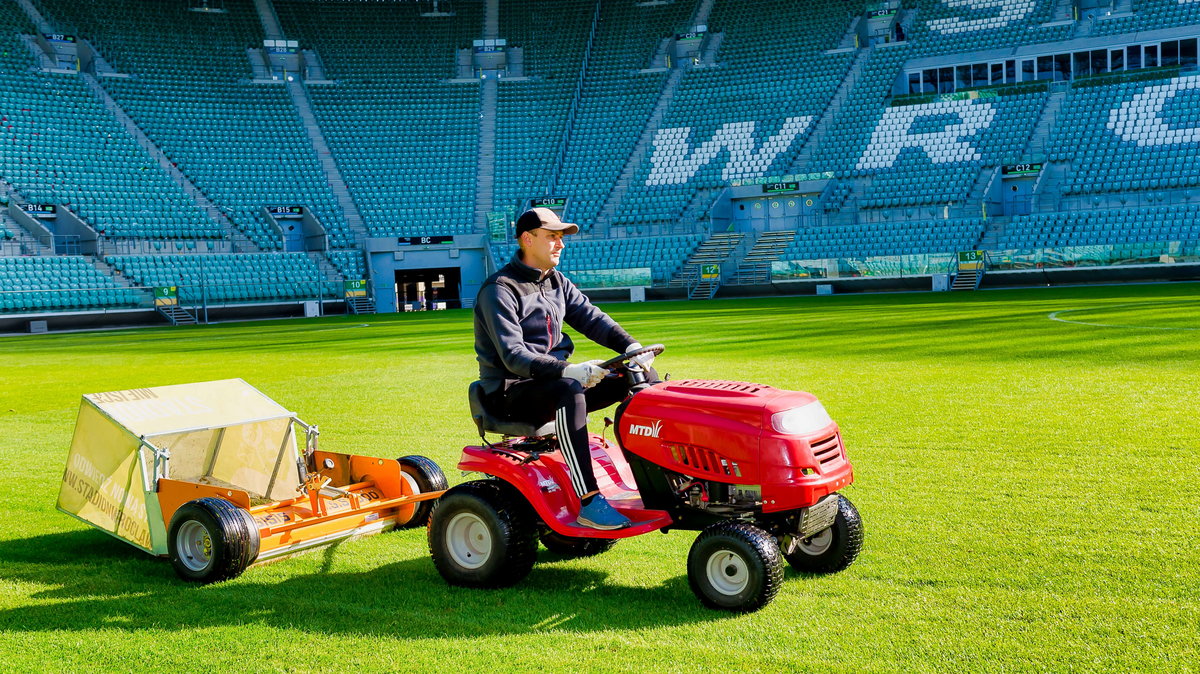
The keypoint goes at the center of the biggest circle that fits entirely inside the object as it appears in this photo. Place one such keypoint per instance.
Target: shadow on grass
(95, 582)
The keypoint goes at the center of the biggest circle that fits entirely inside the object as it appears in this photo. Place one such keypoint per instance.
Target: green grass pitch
(1027, 467)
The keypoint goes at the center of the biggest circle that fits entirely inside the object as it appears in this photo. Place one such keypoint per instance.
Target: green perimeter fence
(197, 296)
(1116, 255)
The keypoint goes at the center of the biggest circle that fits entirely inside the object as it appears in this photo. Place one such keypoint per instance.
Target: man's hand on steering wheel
(632, 356)
(640, 356)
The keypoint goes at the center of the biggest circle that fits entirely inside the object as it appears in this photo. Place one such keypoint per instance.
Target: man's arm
(498, 312)
(594, 324)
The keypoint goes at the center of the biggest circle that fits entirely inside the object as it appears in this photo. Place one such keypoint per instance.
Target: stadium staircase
(715, 251)
(485, 172)
(1039, 140)
(609, 209)
(360, 305)
(1064, 10)
(176, 314)
(270, 20)
(967, 280)
(331, 272)
(239, 240)
(35, 16)
(979, 189)
(1047, 191)
(754, 267)
(21, 241)
(993, 232)
(333, 175)
(491, 19)
(573, 109)
(804, 160)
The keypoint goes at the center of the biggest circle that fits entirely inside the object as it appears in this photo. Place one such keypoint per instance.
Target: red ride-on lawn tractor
(754, 468)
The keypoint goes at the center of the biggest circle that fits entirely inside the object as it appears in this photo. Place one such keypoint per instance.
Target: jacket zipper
(550, 330)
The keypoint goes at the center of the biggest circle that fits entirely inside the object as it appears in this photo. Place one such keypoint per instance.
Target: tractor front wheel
(211, 539)
(833, 549)
(482, 534)
(735, 566)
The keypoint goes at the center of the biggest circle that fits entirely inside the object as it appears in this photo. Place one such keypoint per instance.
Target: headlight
(808, 419)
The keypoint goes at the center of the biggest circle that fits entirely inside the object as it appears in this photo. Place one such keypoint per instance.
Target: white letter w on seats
(674, 161)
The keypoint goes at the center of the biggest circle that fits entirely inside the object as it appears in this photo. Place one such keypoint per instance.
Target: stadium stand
(532, 114)
(1142, 225)
(61, 283)
(1147, 15)
(619, 95)
(241, 143)
(851, 131)
(944, 164)
(349, 263)
(753, 109)
(409, 163)
(1131, 135)
(239, 277)
(875, 239)
(885, 124)
(60, 146)
(974, 25)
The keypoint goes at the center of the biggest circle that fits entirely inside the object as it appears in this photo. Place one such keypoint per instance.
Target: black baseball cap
(543, 218)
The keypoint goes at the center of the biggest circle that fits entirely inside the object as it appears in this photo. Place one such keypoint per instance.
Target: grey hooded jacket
(519, 317)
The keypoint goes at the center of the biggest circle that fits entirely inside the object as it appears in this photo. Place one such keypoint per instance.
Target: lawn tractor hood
(780, 443)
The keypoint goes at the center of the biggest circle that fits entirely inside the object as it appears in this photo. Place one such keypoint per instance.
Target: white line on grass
(1054, 316)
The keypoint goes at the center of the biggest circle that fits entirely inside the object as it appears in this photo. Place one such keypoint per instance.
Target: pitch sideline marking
(1054, 316)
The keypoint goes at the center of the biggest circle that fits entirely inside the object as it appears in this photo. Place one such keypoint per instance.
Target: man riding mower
(754, 468)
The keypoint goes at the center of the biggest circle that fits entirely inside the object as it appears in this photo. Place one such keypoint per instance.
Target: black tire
(211, 540)
(833, 549)
(573, 546)
(425, 476)
(483, 534)
(735, 566)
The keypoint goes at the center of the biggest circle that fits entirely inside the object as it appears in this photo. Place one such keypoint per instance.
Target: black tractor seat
(488, 422)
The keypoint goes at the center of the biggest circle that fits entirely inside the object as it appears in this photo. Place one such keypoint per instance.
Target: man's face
(542, 248)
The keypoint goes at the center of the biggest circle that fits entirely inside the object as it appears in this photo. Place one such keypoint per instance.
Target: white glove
(645, 360)
(588, 374)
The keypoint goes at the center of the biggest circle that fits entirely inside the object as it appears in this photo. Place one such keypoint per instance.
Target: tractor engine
(731, 447)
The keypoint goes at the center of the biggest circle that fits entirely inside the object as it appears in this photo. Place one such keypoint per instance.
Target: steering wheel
(622, 361)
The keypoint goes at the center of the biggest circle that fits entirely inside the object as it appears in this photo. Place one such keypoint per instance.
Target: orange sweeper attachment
(217, 476)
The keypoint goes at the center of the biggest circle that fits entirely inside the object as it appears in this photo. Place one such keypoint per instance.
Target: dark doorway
(427, 289)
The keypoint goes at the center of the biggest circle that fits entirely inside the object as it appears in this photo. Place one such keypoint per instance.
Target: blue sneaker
(598, 514)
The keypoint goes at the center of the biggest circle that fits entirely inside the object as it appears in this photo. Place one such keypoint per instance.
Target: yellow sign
(970, 260)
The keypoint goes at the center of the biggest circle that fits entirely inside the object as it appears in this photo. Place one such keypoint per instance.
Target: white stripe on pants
(562, 427)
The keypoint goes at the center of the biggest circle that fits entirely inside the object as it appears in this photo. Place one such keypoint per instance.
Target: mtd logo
(646, 431)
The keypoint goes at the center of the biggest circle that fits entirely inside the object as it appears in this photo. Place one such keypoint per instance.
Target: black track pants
(567, 403)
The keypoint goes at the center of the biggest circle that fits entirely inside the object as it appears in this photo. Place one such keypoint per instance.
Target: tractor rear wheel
(423, 476)
(833, 549)
(211, 539)
(573, 546)
(482, 534)
(735, 566)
